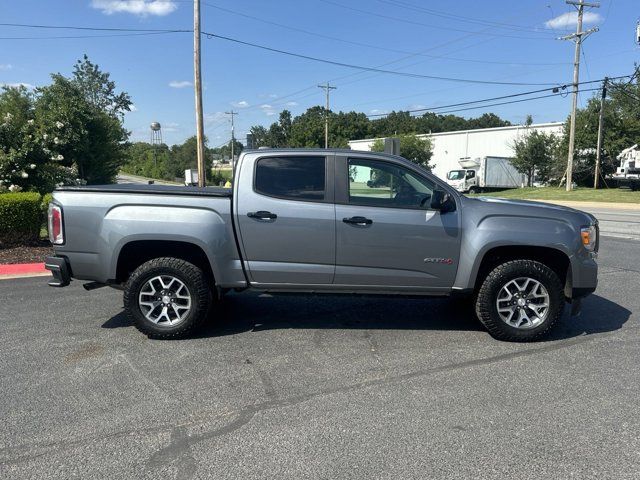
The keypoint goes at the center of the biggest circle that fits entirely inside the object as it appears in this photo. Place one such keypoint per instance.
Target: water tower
(156, 133)
(156, 139)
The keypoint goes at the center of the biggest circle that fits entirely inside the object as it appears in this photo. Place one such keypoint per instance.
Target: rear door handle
(262, 215)
(358, 221)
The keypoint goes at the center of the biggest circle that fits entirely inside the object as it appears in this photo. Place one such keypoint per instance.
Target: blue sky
(495, 40)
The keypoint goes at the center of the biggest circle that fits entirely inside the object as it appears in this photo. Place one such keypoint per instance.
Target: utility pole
(326, 88)
(233, 138)
(577, 37)
(600, 128)
(197, 84)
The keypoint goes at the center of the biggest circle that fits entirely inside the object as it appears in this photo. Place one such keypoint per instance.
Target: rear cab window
(293, 178)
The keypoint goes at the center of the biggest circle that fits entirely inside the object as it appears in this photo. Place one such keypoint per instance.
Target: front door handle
(262, 215)
(358, 221)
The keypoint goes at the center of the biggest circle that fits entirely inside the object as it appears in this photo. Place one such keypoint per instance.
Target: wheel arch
(134, 253)
(554, 258)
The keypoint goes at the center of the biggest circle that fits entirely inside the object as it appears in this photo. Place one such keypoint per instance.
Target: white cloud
(18, 84)
(142, 8)
(133, 108)
(415, 106)
(570, 19)
(268, 109)
(5, 66)
(180, 83)
(240, 104)
(291, 104)
(376, 111)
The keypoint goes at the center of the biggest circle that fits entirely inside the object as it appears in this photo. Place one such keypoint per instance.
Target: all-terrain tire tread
(484, 300)
(201, 297)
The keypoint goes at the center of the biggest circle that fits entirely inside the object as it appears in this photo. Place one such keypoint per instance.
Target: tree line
(71, 132)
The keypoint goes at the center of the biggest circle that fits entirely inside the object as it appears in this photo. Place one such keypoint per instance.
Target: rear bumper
(59, 268)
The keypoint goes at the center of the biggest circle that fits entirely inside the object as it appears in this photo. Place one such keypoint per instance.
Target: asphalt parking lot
(319, 387)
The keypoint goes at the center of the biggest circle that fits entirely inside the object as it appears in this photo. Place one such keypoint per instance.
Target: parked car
(312, 221)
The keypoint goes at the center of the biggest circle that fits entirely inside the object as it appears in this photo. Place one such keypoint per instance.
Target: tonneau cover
(151, 189)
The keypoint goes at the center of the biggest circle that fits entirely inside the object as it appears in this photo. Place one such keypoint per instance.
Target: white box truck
(485, 173)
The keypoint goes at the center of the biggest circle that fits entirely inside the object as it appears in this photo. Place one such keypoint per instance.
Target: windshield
(455, 175)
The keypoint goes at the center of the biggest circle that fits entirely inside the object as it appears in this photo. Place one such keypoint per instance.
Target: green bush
(20, 218)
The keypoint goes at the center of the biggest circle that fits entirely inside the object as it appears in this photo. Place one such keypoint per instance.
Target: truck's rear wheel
(520, 301)
(167, 297)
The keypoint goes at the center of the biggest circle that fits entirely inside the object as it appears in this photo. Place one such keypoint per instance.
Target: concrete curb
(22, 270)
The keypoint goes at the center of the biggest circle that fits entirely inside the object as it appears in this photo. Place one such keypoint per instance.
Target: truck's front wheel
(167, 297)
(520, 300)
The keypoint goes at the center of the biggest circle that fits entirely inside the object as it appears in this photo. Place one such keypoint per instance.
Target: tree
(89, 138)
(98, 89)
(534, 155)
(148, 160)
(307, 130)
(418, 150)
(30, 158)
(621, 130)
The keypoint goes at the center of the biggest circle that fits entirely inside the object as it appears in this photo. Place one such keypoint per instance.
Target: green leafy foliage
(68, 132)
(534, 154)
(307, 129)
(621, 130)
(21, 218)
(418, 150)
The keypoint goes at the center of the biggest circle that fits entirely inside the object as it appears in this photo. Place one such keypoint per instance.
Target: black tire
(474, 190)
(487, 296)
(195, 281)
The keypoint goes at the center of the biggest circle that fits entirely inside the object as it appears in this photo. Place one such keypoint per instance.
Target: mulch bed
(26, 253)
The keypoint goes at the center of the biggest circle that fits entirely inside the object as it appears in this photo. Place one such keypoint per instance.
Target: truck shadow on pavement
(251, 312)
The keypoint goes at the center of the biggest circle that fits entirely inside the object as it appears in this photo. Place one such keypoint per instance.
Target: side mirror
(442, 201)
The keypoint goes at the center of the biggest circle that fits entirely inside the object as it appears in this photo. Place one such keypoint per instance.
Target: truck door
(386, 235)
(286, 218)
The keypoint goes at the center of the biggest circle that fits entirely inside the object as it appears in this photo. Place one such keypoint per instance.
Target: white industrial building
(451, 147)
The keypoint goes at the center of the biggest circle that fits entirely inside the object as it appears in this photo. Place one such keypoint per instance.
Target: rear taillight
(56, 232)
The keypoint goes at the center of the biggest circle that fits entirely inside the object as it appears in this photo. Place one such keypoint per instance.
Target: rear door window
(294, 178)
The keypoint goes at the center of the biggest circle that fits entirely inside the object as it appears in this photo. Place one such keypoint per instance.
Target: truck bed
(132, 188)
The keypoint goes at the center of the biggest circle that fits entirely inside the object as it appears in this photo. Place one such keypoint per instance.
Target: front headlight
(589, 236)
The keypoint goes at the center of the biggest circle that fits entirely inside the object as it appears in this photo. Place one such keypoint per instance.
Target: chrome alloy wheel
(164, 300)
(523, 303)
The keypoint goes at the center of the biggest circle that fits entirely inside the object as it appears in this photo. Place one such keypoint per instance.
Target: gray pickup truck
(323, 221)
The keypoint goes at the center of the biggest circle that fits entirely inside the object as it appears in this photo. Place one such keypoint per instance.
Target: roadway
(319, 387)
(618, 223)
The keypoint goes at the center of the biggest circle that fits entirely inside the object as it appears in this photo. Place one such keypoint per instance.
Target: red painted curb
(21, 268)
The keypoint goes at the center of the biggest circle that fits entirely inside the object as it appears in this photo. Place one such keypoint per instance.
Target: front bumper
(59, 268)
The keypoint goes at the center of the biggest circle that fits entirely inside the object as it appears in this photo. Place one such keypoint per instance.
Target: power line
(368, 45)
(368, 69)
(472, 102)
(513, 101)
(440, 27)
(94, 29)
(109, 35)
(434, 47)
